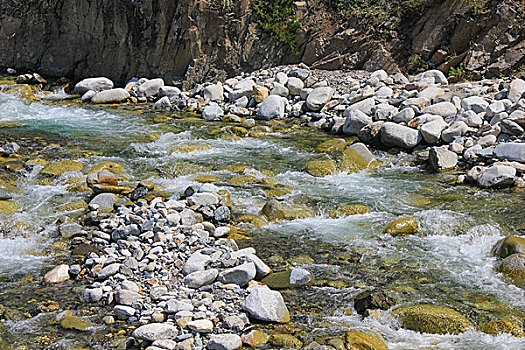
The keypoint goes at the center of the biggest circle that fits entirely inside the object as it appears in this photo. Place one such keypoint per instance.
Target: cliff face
(124, 38)
(204, 39)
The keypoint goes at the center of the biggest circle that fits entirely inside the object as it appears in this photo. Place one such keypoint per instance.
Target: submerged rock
(372, 300)
(404, 226)
(321, 167)
(285, 341)
(60, 167)
(432, 319)
(273, 210)
(363, 340)
(76, 323)
(348, 210)
(508, 246)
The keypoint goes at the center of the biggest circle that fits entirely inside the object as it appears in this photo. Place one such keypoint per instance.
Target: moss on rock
(321, 167)
(404, 226)
(285, 341)
(358, 340)
(431, 319)
(61, 167)
(350, 209)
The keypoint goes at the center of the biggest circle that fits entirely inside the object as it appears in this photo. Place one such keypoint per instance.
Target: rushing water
(448, 263)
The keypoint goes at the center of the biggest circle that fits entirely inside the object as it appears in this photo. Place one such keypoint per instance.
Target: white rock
(265, 304)
(95, 84)
(156, 331)
(395, 135)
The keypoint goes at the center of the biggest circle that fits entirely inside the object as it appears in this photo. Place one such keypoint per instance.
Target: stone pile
(167, 266)
(478, 126)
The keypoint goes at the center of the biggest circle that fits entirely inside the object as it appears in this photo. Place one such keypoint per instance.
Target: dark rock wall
(201, 39)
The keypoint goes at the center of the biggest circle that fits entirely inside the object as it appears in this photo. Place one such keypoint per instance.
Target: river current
(449, 261)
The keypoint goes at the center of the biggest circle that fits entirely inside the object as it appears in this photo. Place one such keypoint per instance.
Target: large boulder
(441, 159)
(111, 96)
(474, 103)
(214, 92)
(318, 97)
(212, 112)
(150, 87)
(432, 130)
(94, 84)
(497, 176)
(266, 305)
(355, 121)
(198, 279)
(272, 107)
(395, 135)
(512, 151)
(432, 319)
(239, 275)
(357, 157)
(295, 85)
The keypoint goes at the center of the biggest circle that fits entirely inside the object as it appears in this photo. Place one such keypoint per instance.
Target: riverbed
(449, 261)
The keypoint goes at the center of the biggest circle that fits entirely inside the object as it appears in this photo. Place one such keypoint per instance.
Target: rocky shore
(170, 265)
(475, 127)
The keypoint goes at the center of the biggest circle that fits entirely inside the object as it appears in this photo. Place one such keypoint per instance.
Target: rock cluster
(165, 265)
(476, 126)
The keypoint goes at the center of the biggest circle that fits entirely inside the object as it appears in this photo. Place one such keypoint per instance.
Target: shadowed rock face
(202, 40)
(124, 38)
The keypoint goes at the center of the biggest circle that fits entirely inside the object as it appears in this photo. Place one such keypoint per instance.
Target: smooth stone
(301, 73)
(443, 109)
(364, 106)
(441, 159)
(516, 90)
(174, 305)
(432, 131)
(163, 102)
(224, 342)
(510, 127)
(457, 129)
(355, 121)
(212, 112)
(60, 167)
(126, 297)
(111, 96)
(280, 90)
(196, 262)
(513, 266)
(508, 246)
(432, 319)
(198, 279)
(92, 295)
(300, 277)
(404, 226)
(365, 340)
(239, 275)
(124, 312)
(214, 92)
(201, 326)
(497, 176)
(272, 107)
(512, 151)
(319, 97)
(266, 305)
(405, 115)
(273, 210)
(156, 331)
(260, 93)
(95, 84)
(474, 103)
(58, 274)
(150, 87)
(395, 135)
(295, 85)
(437, 76)
(108, 271)
(104, 201)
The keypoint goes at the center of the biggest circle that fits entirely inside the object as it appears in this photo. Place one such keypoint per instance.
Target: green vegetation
(278, 17)
(459, 73)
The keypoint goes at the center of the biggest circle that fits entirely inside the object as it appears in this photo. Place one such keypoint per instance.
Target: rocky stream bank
(173, 265)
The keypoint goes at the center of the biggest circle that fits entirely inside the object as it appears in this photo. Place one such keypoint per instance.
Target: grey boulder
(156, 331)
(272, 107)
(395, 135)
(224, 342)
(239, 275)
(442, 159)
(512, 151)
(95, 84)
(198, 279)
(497, 176)
(111, 96)
(355, 121)
(318, 97)
(265, 304)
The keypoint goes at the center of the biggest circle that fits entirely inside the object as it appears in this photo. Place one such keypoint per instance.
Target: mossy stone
(321, 167)
(358, 340)
(77, 205)
(267, 181)
(113, 167)
(350, 209)
(277, 192)
(332, 145)
(299, 214)
(225, 198)
(10, 124)
(511, 326)
(61, 167)
(187, 148)
(278, 280)
(206, 178)
(255, 338)
(336, 343)
(356, 158)
(242, 180)
(273, 210)
(8, 207)
(22, 90)
(431, 319)
(404, 226)
(38, 161)
(256, 221)
(285, 341)
(508, 246)
(235, 168)
(76, 323)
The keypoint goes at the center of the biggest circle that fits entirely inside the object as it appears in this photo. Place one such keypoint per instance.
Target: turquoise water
(447, 263)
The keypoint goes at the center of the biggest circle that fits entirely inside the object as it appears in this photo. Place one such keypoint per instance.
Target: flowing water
(448, 262)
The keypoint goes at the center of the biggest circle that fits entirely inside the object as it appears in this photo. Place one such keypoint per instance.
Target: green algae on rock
(332, 145)
(285, 341)
(321, 167)
(273, 210)
(76, 323)
(431, 319)
(350, 209)
(359, 340)
(404, 226)
(60, 167)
